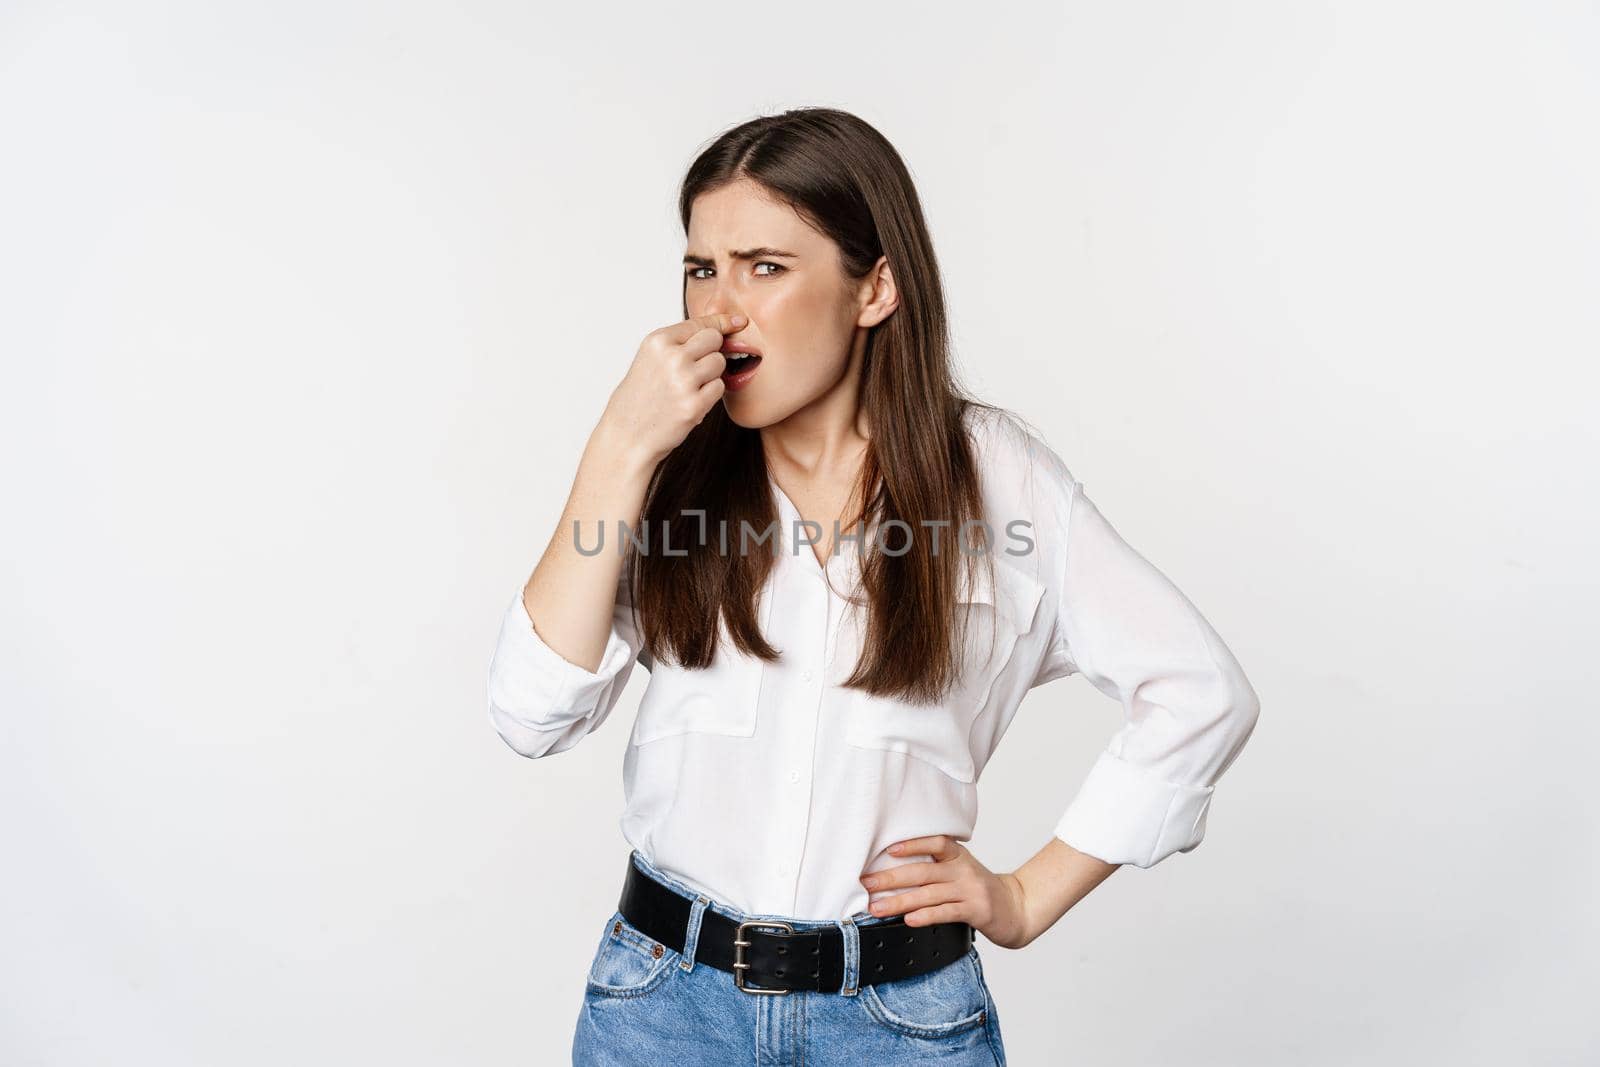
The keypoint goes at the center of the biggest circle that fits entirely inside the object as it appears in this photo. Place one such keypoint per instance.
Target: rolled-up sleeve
(1188, 708)
(541, 703)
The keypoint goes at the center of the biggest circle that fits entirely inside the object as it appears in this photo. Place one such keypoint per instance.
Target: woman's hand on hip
(951, 887)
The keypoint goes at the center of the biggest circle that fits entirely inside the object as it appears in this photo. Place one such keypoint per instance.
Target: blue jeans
(648, 1004)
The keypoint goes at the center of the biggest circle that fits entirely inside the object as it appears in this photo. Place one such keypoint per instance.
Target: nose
(718, 298)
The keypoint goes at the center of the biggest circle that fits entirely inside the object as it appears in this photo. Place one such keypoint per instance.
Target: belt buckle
(740, 944)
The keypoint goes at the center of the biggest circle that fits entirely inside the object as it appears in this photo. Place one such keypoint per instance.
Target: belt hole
(783, 950)
(817, 951)
(880, 942)
(880, 966)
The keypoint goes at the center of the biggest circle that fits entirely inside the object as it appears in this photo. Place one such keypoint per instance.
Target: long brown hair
(849, 183)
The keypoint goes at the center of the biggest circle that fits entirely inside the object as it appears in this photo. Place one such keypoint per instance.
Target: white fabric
(770, 788)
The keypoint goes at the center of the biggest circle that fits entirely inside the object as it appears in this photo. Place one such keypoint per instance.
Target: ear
(880, 294)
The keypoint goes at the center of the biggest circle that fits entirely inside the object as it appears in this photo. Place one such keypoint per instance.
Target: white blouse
(771, 789)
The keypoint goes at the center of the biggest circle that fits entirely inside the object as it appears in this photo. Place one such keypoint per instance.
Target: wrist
(1017, 890)
(618, 454)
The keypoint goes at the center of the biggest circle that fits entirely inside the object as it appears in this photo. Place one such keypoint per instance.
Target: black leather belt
(772, 957)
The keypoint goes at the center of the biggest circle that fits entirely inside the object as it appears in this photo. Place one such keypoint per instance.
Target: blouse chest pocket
(1001, 609)
(720, 699)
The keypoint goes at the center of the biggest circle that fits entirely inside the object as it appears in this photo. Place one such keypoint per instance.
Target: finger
(703, 342)
(897, 904)
(939, 846)
(916, 872)
(712, 391)
(709, 367)
(948, 912)
(911, 899)
(679, 332)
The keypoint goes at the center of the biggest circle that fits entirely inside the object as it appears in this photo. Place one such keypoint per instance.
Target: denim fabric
(647, 1004)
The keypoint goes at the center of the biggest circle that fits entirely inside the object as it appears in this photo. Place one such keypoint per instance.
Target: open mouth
(740, 369)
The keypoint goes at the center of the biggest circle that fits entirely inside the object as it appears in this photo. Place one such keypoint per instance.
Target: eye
(777, 268)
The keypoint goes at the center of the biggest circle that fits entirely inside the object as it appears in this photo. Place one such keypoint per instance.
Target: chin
(746, 419)
(749, 410)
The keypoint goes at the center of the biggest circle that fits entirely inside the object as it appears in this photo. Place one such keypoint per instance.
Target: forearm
(1056, 878)
(570, 595)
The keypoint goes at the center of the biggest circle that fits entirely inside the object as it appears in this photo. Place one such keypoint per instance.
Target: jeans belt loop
(852, 956)
(691, 936)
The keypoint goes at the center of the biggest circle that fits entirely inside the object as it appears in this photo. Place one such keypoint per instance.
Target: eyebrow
(763, 252)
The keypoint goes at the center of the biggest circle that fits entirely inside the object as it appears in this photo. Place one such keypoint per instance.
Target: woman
(843, 574)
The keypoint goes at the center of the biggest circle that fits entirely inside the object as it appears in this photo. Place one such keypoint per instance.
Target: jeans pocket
(628, 963)
(940, 1003)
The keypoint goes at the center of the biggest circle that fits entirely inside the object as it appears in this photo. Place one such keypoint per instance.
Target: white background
(306, 312)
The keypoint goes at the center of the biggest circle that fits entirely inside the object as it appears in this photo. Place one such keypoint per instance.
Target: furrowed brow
(763, 252)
